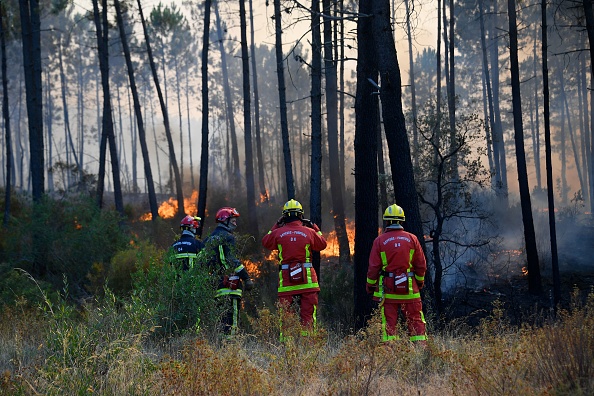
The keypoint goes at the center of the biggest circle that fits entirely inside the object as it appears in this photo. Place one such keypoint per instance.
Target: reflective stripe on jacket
(295, 243)
(395, 253)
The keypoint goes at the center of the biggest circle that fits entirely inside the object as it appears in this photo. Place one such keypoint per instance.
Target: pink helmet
(226, 213)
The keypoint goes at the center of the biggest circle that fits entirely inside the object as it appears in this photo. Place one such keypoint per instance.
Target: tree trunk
(549, 162)
(172, 158)
(576, 157)
(68, 136)
(497, 131)
(394, 124)
(204, 149)
(366, 204)
(30, 31)
(452, 93)
(315, 197)
(236, 175)
(141, 134)
(491, 141)
(411, 72)
(107, 134)
(590, 29)
(6, 117)
(261, 182)
(536, 123)
(332, 131)
(534, 280)
(290, 183)
(247, 120)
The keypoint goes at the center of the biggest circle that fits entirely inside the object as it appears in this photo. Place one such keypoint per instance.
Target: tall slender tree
(247, 122)
(107, 121)
(534, 279)
(138, 112)
(6, 117)
(261, 182)
(549, 162)
(172, 158)
(204, 148)
(31, 36)
(330, 73)
(315, 196)
(280, 71)
(230, 116)
(366, 127)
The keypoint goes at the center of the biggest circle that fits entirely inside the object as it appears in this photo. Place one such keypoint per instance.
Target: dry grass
(107, 352)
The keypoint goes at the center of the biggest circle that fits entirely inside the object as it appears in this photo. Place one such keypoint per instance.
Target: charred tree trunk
(549, 165)
(204, 154)
(31, 36)
(315, 197)
(366, 127)
(247, 121)
(534, 280)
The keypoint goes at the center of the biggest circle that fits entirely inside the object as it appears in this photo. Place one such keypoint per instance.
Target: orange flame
(253, 268)
(264, 197)
(168, 208)
(524, 271)
(332, 248)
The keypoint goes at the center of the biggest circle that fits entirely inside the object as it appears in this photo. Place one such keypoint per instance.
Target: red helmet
(226, 213)
(190, 223)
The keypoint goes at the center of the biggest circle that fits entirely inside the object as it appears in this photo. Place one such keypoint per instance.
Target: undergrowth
(112, 346)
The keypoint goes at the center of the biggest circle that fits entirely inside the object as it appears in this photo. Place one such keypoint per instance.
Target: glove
(310, 224)
(369, 288)
(249, 285)
(421, 284)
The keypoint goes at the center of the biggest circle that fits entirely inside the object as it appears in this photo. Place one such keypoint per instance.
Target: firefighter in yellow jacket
(395, 276)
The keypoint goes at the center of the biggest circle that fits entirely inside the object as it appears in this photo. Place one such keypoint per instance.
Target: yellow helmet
(394, 213)
(292, 207)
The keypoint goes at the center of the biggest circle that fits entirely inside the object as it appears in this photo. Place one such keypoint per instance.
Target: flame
(264, 197)
(168, 209)
(524, 271)
(332, 246)
(253, 268)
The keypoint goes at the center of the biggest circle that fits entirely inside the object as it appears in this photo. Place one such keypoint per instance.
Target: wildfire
(253, 268)
(264, 197)
(332, 246)
(524, 271)
(168, 208)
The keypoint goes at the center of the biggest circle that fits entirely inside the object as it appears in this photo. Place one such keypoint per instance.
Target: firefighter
(220, 245)
(296, 238)
(395, 276)
(186, 248)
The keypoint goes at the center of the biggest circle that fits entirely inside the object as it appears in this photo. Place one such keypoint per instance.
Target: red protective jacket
(396, 264)
(294, 243)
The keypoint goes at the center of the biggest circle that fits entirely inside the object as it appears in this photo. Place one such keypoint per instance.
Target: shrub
(182, 299)
(57, 237)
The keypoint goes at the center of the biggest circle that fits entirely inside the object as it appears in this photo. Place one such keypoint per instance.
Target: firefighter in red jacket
(395, 276)
(295, 238)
